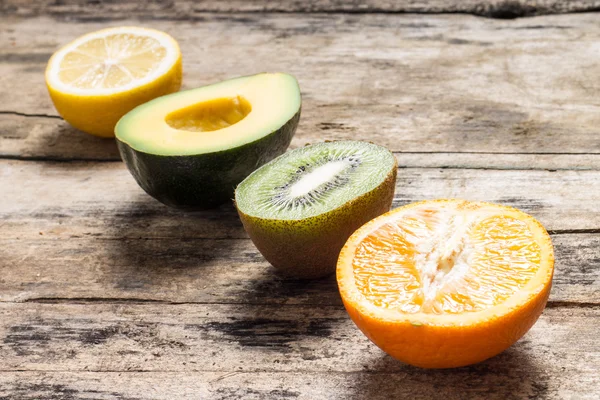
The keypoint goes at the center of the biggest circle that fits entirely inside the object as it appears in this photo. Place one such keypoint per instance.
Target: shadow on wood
(257, 328)
(47, 137)
(510, 375)
(141, 263)
(317, 291)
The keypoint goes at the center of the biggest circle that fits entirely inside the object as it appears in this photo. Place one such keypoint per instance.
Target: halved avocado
(191, 149)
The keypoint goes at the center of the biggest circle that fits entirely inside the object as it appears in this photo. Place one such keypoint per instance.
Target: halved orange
(446, 283)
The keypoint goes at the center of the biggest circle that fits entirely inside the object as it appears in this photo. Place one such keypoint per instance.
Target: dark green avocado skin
(196, 182)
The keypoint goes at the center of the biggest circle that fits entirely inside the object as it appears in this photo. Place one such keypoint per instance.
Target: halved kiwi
(300, 208)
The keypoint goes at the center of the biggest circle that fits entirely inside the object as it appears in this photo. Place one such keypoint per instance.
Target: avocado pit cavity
(210, 115)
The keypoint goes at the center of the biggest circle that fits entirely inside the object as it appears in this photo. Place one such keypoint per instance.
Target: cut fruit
(446, 283)
(96, 79)
(301, 207)
(191, 149)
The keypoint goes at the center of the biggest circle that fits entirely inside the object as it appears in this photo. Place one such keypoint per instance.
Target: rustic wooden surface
(107, 294)
(187, 9)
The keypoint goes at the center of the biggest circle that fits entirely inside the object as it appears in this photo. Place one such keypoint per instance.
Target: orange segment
(452, 272)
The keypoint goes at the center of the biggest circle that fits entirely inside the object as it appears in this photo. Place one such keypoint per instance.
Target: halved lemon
(96, 79)
(446, 283)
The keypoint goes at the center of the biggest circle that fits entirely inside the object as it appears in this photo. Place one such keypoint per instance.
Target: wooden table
(107, 294)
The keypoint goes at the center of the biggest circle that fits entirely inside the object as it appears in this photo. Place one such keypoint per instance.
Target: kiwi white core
(313, 180)
(318, 177)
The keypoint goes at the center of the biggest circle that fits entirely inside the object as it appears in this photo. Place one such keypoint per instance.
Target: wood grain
(470, 384)
(107, 294)
(63, 337)
(187, 9)
(213, 271)
(101, 200)
(65, 235)
(413, 83)
(48, 138)
(227, 346)
(477, 383)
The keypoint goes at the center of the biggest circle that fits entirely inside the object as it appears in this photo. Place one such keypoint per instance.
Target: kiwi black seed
(300, 208)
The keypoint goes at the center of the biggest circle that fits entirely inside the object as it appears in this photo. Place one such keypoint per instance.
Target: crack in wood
(572, 304)
(59, 159)
(138, 301)
(29, 115)
(93, 11)
(573, 231)
(552, 232)
(397, 203)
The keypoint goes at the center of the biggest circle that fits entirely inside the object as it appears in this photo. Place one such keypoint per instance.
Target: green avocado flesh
(191, 149)
(314, 180)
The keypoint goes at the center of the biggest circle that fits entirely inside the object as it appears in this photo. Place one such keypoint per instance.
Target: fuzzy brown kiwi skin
(309, 248)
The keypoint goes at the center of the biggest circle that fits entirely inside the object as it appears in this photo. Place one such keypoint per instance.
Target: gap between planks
(555, 232)
(29, 115)
(139, 301)
(412, 160)
(187, 10)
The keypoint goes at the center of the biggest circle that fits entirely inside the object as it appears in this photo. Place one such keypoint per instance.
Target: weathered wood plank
(49, 138)
(413, 83)
(213, 271)
(414, 384)
(477, 383)
(186, 9)
(80, 199)
(461, 160)
(558, 357)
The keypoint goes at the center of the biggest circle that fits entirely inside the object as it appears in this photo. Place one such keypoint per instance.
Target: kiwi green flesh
(313, 180)
(309, 247)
